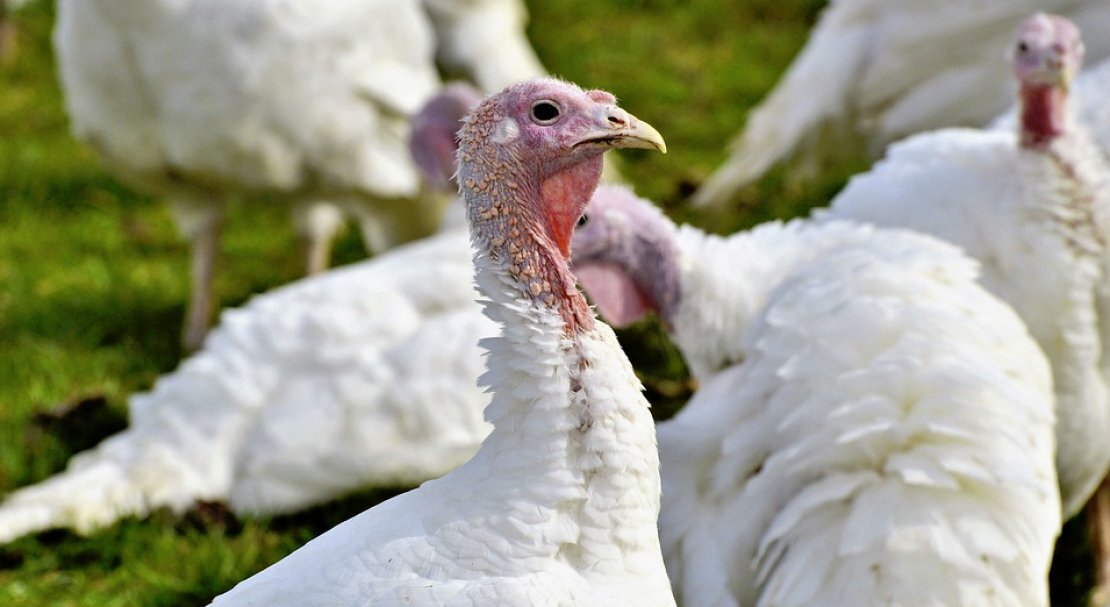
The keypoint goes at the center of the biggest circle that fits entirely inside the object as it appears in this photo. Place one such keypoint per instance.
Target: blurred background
(92, 286)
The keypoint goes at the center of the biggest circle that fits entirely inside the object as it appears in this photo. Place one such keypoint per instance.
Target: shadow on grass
(143, 322)
(61, 431)
(659, 365)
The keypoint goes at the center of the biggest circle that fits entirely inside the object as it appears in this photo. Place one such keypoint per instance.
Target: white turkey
(1031, 204)
(203, 101)
(363, 376)
(559, 505)
(881, 432)
(885, 69)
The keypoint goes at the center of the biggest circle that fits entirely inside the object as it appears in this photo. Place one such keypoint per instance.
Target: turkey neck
(1047, 127)
(523, 225)
(572, 459)
(1044, 115)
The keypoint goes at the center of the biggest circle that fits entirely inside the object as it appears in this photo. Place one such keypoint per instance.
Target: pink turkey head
(546, 137)
(626, 257)
(1047, 54)
(1047, 51)
(434, 143)
(529, 160)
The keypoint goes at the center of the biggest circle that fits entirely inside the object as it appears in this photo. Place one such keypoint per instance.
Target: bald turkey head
(1047, 54)
(529, 161)
(626, 257)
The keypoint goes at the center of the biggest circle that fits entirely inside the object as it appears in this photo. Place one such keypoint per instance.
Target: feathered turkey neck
(504, 196)
(1044, 115)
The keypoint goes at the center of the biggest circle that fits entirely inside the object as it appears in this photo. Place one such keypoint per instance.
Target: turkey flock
(897, 400)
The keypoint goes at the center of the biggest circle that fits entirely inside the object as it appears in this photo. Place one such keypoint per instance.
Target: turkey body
(184, 95)
(886, 439)
(363, 376)
(1036, 221)
(560, 503)
(205, 101)
(512, 537)
(872, 426)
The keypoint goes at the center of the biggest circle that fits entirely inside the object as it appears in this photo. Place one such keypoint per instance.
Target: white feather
(363, 376)
(303, 103)
(1038, 223)
(532, 518)
(560, 504)
(887, 438)
(201, 99)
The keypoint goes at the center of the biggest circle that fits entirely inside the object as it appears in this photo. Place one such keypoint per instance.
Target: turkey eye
(1022, 47)
(583, 220)
(545, 112)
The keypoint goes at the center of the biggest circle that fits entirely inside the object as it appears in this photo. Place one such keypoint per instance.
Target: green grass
(93, 277)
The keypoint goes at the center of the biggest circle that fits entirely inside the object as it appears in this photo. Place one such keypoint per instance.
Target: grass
(93, 278)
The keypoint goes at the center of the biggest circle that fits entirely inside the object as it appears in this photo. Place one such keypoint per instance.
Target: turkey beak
(1065, 79)
(623, 130)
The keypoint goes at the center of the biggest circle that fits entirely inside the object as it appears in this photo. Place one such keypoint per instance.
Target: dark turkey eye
(545, 112)
(1022, 47)
(583, 220)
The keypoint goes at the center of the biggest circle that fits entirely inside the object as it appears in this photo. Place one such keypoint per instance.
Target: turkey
(1093, 114)
(361, 376)
(559, 505)
(880, 434)
(307, 102)
(1032, 206)
(884, 69)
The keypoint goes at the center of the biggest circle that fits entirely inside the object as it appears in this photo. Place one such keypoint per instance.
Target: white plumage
(888, 68)
(559, 504)
(1092, 111)
(362, 376)
(365, 376)
(307, 102)
(881, 432)
(888, 441)
(1036, 217)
